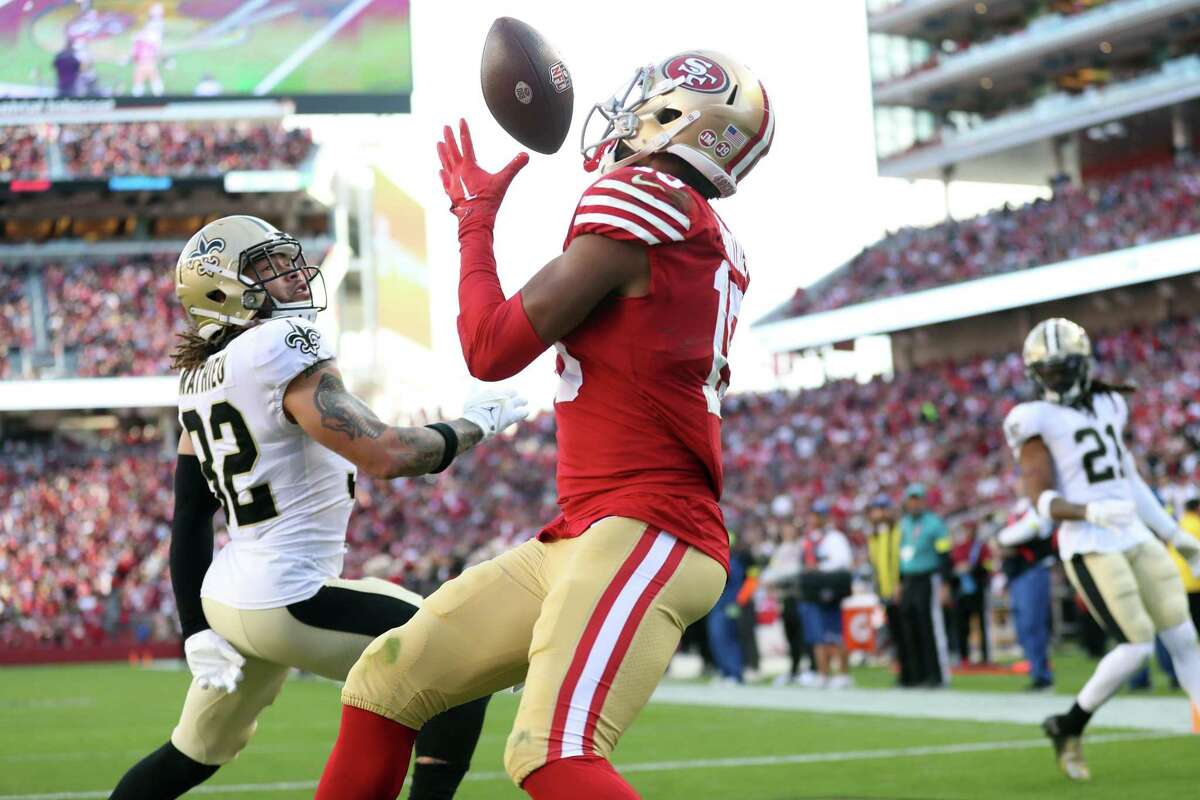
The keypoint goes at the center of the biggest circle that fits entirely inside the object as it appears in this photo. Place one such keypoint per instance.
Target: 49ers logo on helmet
(699, 74)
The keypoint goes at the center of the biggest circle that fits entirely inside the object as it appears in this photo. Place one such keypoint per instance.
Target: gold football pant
(590, 624)
(1134, 593)
(324, 635)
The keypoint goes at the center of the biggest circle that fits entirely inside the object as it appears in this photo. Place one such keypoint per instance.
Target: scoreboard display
(326, 56)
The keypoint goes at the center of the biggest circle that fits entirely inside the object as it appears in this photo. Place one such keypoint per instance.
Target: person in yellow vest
(883, 551)
(1190, 523)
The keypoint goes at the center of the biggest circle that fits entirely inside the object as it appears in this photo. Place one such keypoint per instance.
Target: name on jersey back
(204, 378)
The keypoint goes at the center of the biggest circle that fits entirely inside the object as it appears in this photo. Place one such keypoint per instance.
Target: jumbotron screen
(325, 55)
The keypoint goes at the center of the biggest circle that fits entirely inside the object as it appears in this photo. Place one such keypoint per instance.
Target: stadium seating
(22, 154)
(104, 316)
(101, 571)
(15, 322)
(1140, 207)
(176, 149)
(115, 317)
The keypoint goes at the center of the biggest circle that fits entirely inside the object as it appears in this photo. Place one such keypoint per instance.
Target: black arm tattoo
(407, 451)
(314, 368)
(343, 412)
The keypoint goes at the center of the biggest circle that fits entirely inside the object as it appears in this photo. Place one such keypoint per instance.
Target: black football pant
(967, 607)
(923, 627)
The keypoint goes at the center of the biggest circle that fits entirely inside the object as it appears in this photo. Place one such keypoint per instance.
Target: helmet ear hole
(668, 115)
(216, 295)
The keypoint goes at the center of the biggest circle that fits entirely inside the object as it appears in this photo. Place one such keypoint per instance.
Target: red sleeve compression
(497, 338)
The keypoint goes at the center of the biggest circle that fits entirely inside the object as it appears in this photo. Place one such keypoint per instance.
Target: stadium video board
(326, 56)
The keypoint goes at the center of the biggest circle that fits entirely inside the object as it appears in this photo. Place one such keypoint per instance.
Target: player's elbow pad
(501, 343)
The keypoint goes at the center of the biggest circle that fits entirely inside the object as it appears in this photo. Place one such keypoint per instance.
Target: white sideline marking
(667, 766)
(310, 46)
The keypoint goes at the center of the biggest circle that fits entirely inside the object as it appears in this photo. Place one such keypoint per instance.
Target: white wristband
(1044, 500)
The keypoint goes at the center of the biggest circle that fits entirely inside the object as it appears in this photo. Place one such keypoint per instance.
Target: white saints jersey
(1090, 463)
(287, 499)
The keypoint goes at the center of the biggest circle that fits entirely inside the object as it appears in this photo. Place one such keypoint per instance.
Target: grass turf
(76, 729)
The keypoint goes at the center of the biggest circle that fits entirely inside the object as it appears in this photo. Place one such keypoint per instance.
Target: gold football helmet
(701, 106)
(222, 275)
(1058, 358)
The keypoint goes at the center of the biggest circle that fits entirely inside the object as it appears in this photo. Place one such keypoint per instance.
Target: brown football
(526, 85)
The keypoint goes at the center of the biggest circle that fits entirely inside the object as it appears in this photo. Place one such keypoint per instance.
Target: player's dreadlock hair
(192, 349)
(1097, 388)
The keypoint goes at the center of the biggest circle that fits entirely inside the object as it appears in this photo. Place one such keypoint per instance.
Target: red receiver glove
(475, 195)
(497, 338)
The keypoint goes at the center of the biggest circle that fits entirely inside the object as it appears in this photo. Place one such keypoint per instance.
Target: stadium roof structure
(1074, 278)
(1014, 92)
(980, 91)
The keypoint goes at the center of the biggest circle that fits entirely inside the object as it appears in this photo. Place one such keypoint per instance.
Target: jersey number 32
(261, 505)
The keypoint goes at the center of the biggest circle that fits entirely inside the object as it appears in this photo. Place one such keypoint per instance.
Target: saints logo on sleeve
(306, 339)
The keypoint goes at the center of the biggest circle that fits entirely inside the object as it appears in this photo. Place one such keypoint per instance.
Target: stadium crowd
(15, 323)
(116, 317)
(22, 154)
(1137, 208)
(83, 530)
(105, 316)
(176, 149)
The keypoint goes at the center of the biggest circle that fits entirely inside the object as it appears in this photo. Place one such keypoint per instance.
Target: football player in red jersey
(640, 307)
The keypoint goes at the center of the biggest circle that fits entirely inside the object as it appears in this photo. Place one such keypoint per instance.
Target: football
(526, 85)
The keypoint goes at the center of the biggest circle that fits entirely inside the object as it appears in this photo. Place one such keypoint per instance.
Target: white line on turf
(666, 766)
(310, 46)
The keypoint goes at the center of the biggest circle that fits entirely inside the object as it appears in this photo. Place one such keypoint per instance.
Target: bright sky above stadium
(808, 207)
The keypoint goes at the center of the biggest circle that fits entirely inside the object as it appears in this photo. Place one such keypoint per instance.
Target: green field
(69, 732)
(375, 58)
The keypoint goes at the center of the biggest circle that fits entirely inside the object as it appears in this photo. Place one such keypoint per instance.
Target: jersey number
(1099, 452)
(261, 506)
(729, 303)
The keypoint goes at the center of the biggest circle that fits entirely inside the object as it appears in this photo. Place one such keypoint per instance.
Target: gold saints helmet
(700, 105)
(222, 275)
(1058, 358)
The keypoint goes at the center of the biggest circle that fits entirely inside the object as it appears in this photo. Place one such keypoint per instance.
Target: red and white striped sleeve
(634, 205)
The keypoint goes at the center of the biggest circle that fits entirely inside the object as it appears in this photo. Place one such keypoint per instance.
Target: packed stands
(99, 515)
(1140, 207)
(113, 317)
(180, 149)
(176, 149)
(16, 331)
(22, 154)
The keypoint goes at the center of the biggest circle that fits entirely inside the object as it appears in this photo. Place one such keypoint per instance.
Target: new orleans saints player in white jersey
(273, 437)
(1077, 471)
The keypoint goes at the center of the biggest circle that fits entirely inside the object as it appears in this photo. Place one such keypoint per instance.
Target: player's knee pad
(524, 752)
(390, 677)
(212, 747)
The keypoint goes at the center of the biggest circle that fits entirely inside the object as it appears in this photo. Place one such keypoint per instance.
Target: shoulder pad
(636, 204)
(285, 348)
(1022, 424)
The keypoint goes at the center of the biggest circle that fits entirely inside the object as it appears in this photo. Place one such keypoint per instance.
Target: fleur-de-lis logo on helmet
(204, 257)
(206, 247)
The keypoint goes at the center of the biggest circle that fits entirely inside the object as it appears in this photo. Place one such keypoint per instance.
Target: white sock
(1112, 671)
(1182, 644)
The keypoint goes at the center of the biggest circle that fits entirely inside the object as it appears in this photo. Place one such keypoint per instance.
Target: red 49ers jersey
(641, 379)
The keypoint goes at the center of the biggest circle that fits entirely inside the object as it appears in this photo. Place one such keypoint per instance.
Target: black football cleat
(1068, 749)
